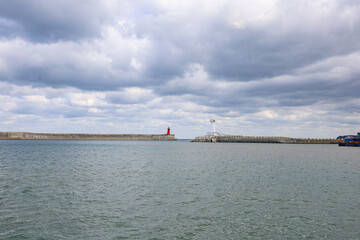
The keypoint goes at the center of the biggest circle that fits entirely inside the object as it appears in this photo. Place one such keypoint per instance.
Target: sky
(259, 68)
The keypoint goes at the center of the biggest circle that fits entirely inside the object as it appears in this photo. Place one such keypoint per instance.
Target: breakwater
(255, 139)
(77, 136)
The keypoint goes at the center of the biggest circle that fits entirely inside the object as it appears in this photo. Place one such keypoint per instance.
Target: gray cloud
(47, 21)
(296, 36)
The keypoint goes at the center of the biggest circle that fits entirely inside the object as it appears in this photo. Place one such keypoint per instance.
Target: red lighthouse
(168, 131)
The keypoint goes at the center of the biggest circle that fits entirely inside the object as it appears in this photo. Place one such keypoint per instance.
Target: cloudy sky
(263, 68)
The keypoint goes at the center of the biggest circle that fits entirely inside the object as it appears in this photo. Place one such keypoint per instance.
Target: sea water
(178, 190)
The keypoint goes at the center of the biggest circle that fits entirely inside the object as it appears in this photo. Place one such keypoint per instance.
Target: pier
(78, 136)
(217, 137)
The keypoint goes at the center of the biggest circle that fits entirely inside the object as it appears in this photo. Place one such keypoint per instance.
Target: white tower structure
(212, 122)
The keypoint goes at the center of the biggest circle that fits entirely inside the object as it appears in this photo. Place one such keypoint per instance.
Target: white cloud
(87, 99)
(36, 99)
(268, 114)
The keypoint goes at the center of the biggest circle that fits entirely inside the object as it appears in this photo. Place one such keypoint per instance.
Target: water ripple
(177, 190)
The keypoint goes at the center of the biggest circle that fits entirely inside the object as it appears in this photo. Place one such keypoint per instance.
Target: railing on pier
(259, 139)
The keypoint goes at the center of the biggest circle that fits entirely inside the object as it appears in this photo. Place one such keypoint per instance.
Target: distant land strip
(253, 139)
(81, 136)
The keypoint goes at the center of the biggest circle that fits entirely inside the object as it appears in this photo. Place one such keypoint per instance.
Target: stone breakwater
(253, 139)
(76, 136)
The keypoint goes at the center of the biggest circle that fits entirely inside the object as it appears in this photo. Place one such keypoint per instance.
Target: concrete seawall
(76, 136)
(253, 139)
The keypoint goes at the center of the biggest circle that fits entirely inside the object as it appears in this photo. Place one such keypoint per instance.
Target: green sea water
(178, 190)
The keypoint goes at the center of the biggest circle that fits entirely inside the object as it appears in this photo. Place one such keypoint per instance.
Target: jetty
(79, 136)
(218, 137)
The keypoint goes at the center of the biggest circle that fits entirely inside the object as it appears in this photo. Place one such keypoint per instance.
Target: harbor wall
(76, 136)
(255, 139)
